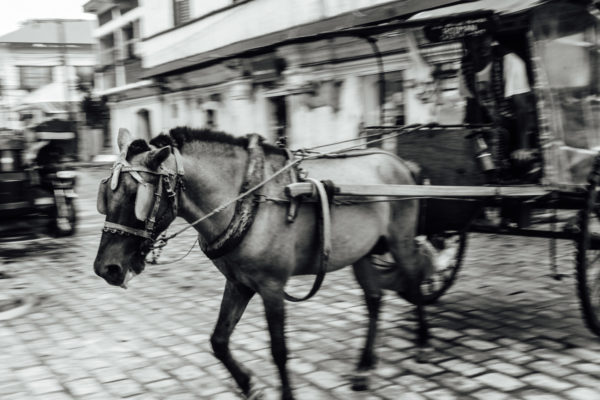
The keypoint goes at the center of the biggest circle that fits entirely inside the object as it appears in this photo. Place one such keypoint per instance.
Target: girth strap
(324, 222)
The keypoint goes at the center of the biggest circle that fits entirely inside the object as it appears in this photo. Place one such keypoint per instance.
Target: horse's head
(139, 200)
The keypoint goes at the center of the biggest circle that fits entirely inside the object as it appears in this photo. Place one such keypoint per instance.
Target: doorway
(279, 118)
(143, 124)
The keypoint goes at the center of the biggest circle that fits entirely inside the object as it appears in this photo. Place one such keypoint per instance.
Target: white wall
(244, 108)
(125, 115)
(251, 19)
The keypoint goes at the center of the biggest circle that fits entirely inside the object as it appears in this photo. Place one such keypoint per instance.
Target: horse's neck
(213, 176)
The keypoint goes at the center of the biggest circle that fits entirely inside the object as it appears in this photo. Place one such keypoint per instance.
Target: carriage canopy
(562, 55)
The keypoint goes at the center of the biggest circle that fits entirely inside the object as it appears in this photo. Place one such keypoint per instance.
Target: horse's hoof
(424, 354)
(255, 393)
(360, 381)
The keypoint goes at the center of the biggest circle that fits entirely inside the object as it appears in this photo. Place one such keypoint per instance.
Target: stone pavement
(506, 330)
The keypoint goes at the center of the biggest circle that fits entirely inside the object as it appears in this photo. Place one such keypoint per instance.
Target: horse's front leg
(369, 281)
(275, 313)
(235, 300)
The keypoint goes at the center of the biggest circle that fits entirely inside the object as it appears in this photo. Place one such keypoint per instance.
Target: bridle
(169, 183)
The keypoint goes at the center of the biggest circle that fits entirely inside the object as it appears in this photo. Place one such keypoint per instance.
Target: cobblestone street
(505, 330)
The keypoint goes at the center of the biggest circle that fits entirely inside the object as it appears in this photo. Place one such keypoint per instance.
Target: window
(181, 11)
(34, 77)
(393, 99)
(107, 50)
(130, 40)
(104, 17)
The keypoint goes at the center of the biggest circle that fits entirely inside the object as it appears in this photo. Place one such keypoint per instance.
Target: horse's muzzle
(112, 273)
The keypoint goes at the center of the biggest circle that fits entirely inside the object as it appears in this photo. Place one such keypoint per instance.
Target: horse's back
(362, 167)
(359, 224)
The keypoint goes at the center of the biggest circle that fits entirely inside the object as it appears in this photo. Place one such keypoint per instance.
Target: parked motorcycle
(37, 196)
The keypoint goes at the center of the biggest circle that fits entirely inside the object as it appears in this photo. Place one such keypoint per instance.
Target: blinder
(147, 197)
(144, 200)
(101, 200)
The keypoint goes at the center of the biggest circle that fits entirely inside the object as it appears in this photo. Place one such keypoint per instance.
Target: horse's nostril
(114, 274)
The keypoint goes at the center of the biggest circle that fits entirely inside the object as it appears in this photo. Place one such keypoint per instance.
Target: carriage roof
(504, 7)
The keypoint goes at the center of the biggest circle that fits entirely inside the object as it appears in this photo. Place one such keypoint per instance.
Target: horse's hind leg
(423, 326)
(368, 280)
(413, 265)
(235, 300)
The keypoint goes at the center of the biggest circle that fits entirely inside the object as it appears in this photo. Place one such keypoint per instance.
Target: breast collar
(169, 180)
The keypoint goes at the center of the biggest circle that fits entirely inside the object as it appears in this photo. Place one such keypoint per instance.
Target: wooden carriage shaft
(482, 193)
(411, 191)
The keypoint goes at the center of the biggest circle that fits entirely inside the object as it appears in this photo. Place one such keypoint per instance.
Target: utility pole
(62, 41)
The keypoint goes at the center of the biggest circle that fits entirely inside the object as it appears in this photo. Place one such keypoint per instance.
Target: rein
(302, 156)
(234, 234)
(237, 228)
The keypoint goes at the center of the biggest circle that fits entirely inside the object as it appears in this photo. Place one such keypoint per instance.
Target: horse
(191, 173)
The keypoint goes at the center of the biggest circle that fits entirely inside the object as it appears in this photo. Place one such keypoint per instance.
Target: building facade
(41, 65)
(233, 66)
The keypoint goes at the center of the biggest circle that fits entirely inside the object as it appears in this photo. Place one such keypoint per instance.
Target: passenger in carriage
(494, 82)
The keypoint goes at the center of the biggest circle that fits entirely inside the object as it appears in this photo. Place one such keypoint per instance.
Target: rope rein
(302, 155)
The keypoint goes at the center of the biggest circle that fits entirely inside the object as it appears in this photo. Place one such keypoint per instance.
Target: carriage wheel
(434, 287)
(588, 256)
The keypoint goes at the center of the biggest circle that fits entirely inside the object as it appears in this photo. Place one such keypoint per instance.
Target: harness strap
(152, 218)
(134, 170)
(245, 208)
(325, 239)
(118, 228)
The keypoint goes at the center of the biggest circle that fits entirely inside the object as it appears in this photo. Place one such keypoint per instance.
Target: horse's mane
(181, 135)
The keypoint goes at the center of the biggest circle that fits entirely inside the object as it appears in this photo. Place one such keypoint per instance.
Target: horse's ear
(124, 139)
(156, 157)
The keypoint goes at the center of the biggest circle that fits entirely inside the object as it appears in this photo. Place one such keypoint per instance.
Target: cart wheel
(588, 255)
(434, 287)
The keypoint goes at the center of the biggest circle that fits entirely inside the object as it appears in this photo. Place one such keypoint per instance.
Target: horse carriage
(370, 203)
(465, 166)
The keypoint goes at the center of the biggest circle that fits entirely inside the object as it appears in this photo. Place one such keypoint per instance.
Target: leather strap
(152, 218)
(118, 228)
(245, 208)
(122, 165)
(325, 238)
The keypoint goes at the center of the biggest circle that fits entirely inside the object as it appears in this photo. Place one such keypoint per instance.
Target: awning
(495, 6)
(52, 99)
